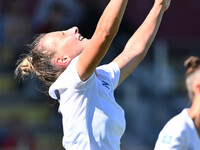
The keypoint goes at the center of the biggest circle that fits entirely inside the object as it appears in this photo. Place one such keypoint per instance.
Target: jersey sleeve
(109, 75)
(69, 79)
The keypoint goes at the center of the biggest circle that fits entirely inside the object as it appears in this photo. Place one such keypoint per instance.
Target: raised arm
(105, 32)
(138, 45)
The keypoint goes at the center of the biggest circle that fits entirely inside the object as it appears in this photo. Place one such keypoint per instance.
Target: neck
(194, 113)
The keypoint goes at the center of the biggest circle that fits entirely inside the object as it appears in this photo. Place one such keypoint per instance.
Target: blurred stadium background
(154, 93)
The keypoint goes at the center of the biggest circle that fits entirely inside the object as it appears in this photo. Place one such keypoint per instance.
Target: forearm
(111, 17)
(142, 39)
(105, 32)
(138, 45)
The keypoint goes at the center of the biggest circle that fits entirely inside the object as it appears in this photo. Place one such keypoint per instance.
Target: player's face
(65, 43)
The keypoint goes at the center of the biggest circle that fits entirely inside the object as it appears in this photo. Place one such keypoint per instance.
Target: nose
(74, 30)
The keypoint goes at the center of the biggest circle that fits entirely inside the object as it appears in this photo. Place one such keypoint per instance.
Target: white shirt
(92, 120)
(179, 134)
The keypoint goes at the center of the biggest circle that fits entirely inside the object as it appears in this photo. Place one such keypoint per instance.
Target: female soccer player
(182, 132)
(68, 63)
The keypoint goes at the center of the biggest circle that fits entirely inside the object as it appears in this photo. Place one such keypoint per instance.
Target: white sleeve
(110, 73)
(69, 79)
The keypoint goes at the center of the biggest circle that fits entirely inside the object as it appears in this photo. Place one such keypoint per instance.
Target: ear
(197, 88)
(63, 61)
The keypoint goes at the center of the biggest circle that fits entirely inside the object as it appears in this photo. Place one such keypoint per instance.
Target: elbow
(137, 50)
(141, 54)
(137, 53)
(113, 31)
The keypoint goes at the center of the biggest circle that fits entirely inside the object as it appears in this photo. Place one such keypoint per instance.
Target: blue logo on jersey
(105, 84)
(167, 139)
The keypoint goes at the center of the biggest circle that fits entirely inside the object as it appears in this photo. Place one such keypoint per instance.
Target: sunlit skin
(69, 44)
(194, 110)
(66, 44)
(56, 50)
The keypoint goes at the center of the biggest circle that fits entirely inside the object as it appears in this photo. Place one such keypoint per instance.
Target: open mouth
(81, 38)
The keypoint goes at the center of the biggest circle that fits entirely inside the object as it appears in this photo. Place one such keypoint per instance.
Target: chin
(86, 41)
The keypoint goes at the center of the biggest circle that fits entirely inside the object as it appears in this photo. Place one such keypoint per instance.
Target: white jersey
(92, 120)
(179, 134)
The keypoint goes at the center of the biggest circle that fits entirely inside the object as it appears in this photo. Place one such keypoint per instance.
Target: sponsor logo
(167, 139)
(105, 84)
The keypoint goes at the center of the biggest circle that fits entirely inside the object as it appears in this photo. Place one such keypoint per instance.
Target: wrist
(160, 6)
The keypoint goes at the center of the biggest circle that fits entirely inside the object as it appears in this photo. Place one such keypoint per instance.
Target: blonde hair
(38, 62)
(24, 67)
(193, 69)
